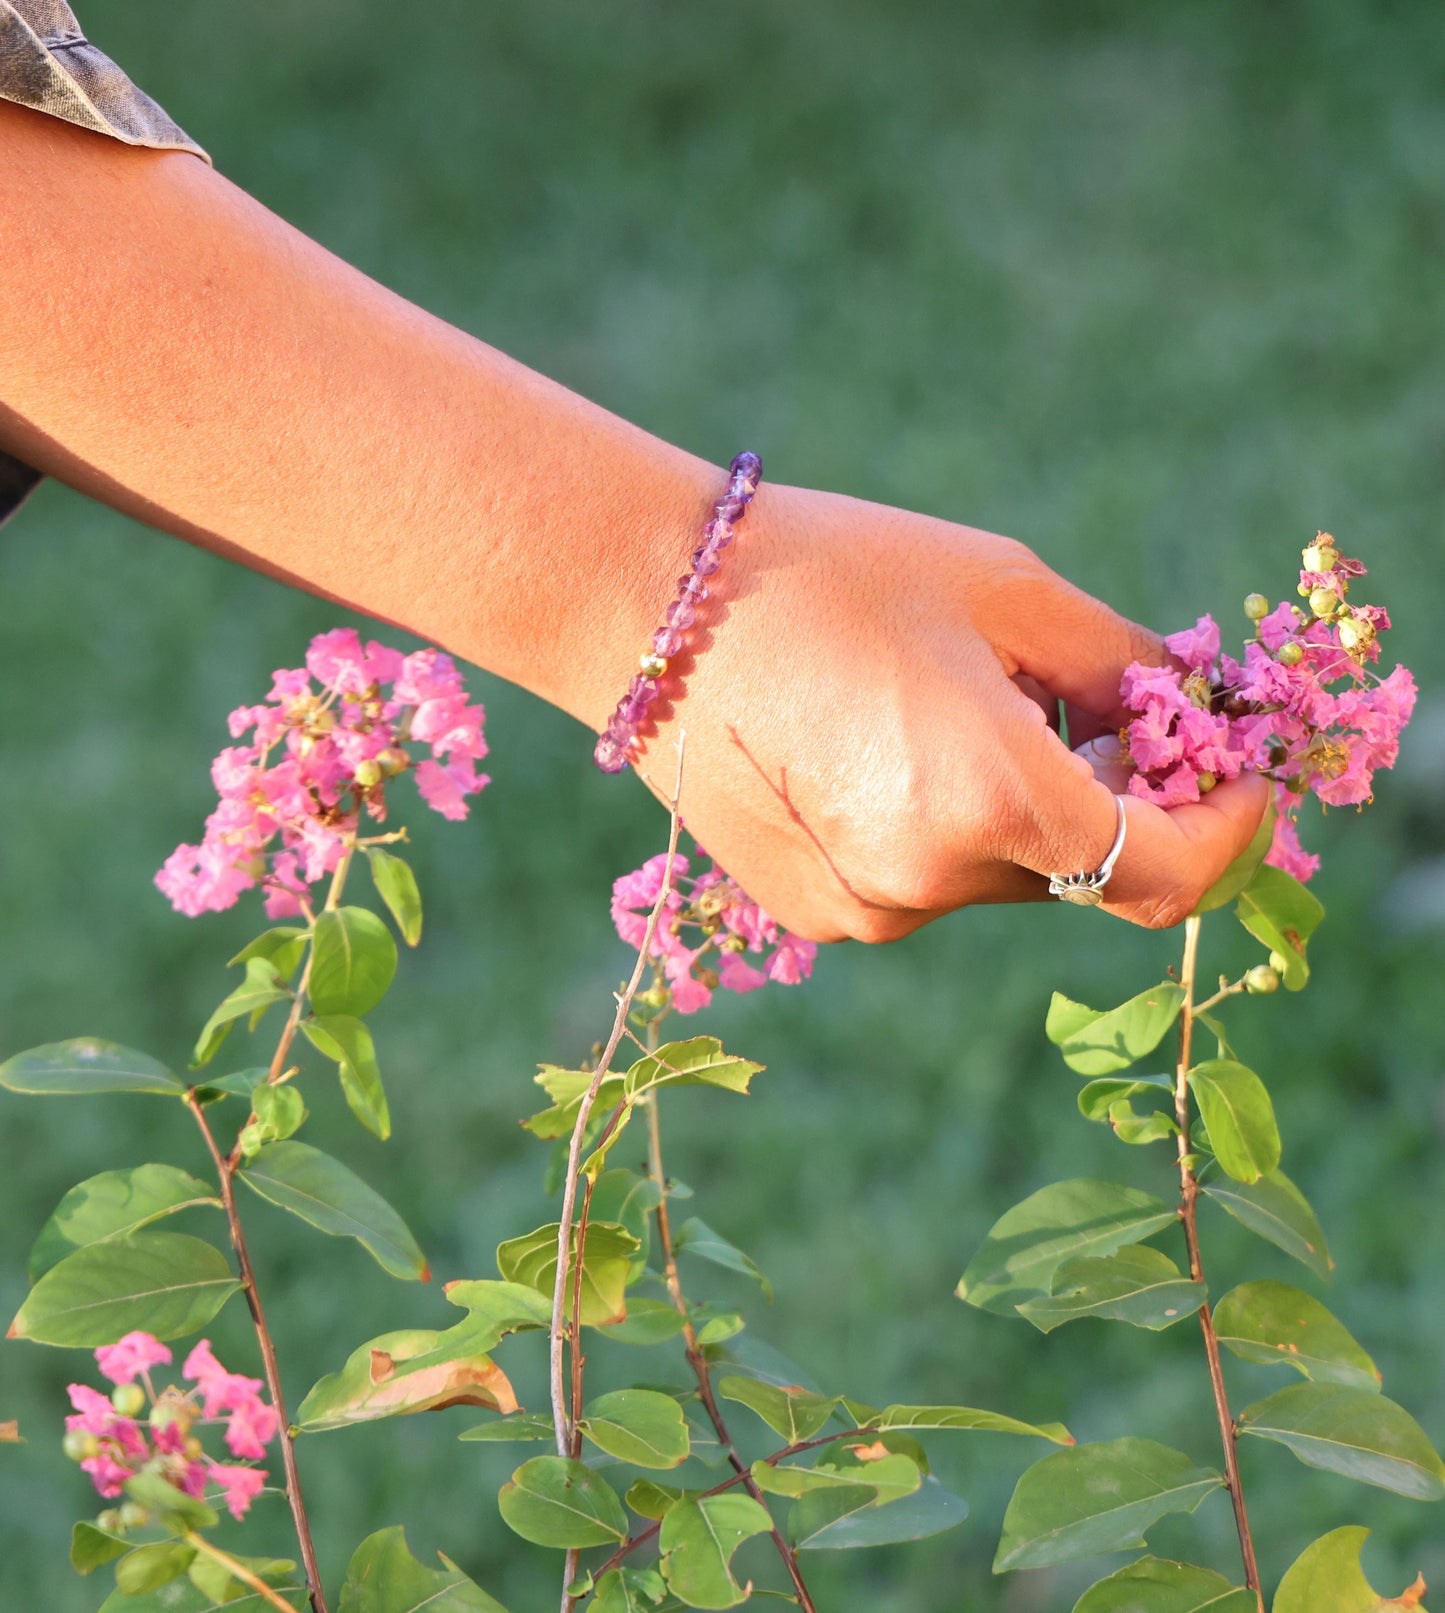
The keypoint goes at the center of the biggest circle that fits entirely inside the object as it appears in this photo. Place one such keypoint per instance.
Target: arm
(857, 754)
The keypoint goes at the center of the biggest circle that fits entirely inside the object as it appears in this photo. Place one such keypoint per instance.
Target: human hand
(868, 745)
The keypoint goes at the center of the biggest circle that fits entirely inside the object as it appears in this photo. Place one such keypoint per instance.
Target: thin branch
(225, 1170)
(1188, 1200)
(238, 1571)
(562, 1421)
(696, 1359)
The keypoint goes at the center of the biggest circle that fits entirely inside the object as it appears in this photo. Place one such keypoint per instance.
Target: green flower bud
(1277, 963)
(78, 1446)
(109, 1520)
(1320, 555)
(708, 978)
(1324, 601)
(129, 1399)
(1206, 782)
(1261, 980)
(393, 760)
(1256, 607)
(133, 1515)
(1291, 653)
(368, 773)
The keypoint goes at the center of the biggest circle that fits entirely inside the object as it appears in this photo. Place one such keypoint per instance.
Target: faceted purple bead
(667, 641)
(731, 508)
(633, 710)
(681, 614)
(643, 689)
(747, 465)
(619, 726)
(705, 560)
(741, 491)
(718, 534)
(609, 755)
(692, 587)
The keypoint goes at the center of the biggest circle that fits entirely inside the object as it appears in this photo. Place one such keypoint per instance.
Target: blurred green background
(1156, 289)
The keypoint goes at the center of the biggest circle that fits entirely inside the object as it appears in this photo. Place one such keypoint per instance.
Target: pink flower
(1285, 850)
(108, 1475)
(123, 1362)
(1197, 646)
(95, 1412)
(239, 1485)
(444, 787)
(252, 1426)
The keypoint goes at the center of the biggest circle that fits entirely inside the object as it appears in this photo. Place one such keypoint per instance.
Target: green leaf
(554, 1501)
(523, 1429)
(261, 988)
(352, 962)
(1095, 1499)
(241, 1083)
(110, 1206)
(791, 1412)
(1141, 1286)
(1095, 1042)
(418, 1369)
(697, 1541)
(532, 1261)
(284, 947)
(699, 1239)
(90, 1546)
(716, 1326)
(181, 1596)
(648, 1321)
(163, 1283)
(1067, 1221)
(174, 1508)
(1351, 1431)
(1240, 873)
(628, 1199)
(384, 1577)
(1274, 1324)
(965, 1419)
(323, 1192)
(1153, 1585)
(628, 1590)
(833, 1521)
(148, 1567)
(1328, 1577)
(649, 1499)
(217, 1581)
(1277, 910)
(1240, 1117)
(1275, 1209)
(1139, 1130)
(699, 1062)
(396, 885)
(639, 1426)
(1097, 1098)
(87, 1067)
(346, 1040)
(279, 1110)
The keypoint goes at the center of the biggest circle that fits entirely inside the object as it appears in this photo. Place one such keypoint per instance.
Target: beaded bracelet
(614, 748)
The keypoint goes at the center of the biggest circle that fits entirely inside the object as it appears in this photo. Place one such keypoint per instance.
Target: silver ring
(1087, 890)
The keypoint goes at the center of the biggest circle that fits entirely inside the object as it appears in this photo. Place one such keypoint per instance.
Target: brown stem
(1188, 1200)
(238, 1571)
(225, 1172)
(695, 1357)
(578, 1359)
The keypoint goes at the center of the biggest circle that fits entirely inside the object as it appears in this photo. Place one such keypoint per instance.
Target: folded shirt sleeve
(47, 64)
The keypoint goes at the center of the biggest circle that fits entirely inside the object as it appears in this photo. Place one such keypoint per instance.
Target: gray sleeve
(47, 64)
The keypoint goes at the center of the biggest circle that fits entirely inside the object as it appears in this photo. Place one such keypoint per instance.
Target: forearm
(171, 347)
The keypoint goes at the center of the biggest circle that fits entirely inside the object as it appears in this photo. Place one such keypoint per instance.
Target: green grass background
(1154, 288)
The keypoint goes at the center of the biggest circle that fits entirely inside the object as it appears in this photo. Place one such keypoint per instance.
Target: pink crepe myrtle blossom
(315, 758)
(1302, 705)
(112, 1446)
(707, 925)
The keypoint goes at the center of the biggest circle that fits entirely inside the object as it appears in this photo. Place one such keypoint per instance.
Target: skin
(869, 698)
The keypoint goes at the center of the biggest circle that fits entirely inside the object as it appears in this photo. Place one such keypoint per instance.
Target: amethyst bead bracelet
(614, 748)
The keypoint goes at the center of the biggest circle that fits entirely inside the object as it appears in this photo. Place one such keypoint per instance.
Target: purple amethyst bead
(667, 641)
(643, 689)
(718, 534)
(692, 587)
(619, 725)
(680, 614)
(609, 755)
(633, 710)
(731, 508)
(747, 465)
(705, 561)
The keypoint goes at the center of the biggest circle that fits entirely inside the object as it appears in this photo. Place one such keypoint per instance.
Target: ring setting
(1087, 889)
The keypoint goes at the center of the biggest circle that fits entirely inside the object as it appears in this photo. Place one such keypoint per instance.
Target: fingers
(1064, 820)
(1073, 644)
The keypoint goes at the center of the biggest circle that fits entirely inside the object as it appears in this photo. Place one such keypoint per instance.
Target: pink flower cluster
(291, 798)
(111, 1445)
(1302, 706)
(724, 923)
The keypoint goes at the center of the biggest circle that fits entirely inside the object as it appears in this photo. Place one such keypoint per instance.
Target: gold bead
(653, 666)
